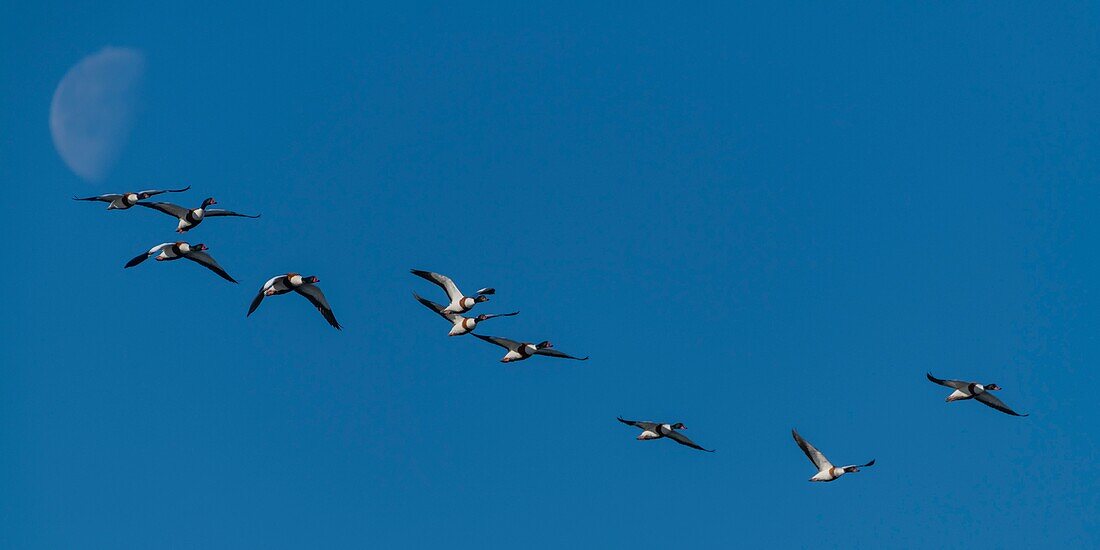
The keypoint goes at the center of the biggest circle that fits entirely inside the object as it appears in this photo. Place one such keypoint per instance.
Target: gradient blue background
(752, 217)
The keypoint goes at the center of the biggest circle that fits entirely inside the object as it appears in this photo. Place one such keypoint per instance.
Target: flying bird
(518, 351)
(122, 201)
(175, 251)
(656, 430)
(459, 303)
(825, 469)
(459, 325)
(306, 286)
(188, 217)
(974, 390)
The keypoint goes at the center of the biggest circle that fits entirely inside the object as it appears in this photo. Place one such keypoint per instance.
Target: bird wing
(491, 315)
(166, 207)
(683, 440)
(145, 255)
(650, 426)
(260, 295)
(103, 198)
(443, 281)
(435, 307)
(317, 298)
(957, 384)
(555, 353)
(819, 461)
(869, 464)
(505, 343)
(991, 400)
(207, 260)
(150, 192)
(215, 212)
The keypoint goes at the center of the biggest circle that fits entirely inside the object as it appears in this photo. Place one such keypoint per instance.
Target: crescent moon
(93, 110)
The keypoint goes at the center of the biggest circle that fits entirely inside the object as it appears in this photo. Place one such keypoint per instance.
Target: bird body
(457, 301)
(189, 218)
(174, 251)
(459, 324)
(306, 286)
(825, 469)
(964, 390)
(518, 351)
(657, 430)
(123, 201)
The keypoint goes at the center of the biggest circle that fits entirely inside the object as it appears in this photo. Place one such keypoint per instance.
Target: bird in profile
(459, 303)
(459, 325)
(306, 286)
(174, 251)
(973, 390)
(656, 430)
(518, 351)
(825, 469)
(191, 217)
(123, 201)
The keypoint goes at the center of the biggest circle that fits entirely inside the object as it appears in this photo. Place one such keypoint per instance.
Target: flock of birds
(190, 218)
(456, 312)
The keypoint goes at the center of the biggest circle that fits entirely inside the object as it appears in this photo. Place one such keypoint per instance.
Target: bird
(175, 251)
(459, 303)
(123, 201)
(306, 286)
(189, 218)
(825, 469)
(656, 430)
(518, 351)
(974, 390)
(460, 325)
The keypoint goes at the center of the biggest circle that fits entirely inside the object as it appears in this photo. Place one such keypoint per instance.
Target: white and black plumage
(306, 286)
(459, 325)
(825, 469)
(518, 351)
(973, 390)
(175, 251)
(458, 302)
(656, 430)
(122, 201)
(191, 217)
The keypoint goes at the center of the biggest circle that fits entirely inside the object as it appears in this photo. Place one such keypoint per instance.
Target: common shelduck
(175, 251)
(306, 286)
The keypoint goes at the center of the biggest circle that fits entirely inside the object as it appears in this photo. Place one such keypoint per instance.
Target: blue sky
(752, 217)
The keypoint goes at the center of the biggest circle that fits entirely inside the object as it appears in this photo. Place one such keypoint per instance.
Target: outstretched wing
(443, 281)
(869, 464)
(551, 352)
(956, 384)
(683, 440)
(317, 298)
(819, 461)
(991, 400)
(206, 260)
(215, 212)
(174, 210)
(502, 342)
(150, 192)
(101, 198)
(145, 256)
(260, 295)
(650, 426)
(435, 307)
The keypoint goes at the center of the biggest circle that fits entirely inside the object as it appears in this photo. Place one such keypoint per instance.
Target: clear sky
(752, 217)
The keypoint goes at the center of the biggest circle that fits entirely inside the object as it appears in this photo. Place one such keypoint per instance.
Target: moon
(94, 108)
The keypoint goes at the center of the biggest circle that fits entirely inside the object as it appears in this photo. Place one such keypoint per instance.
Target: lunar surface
(93, 110)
